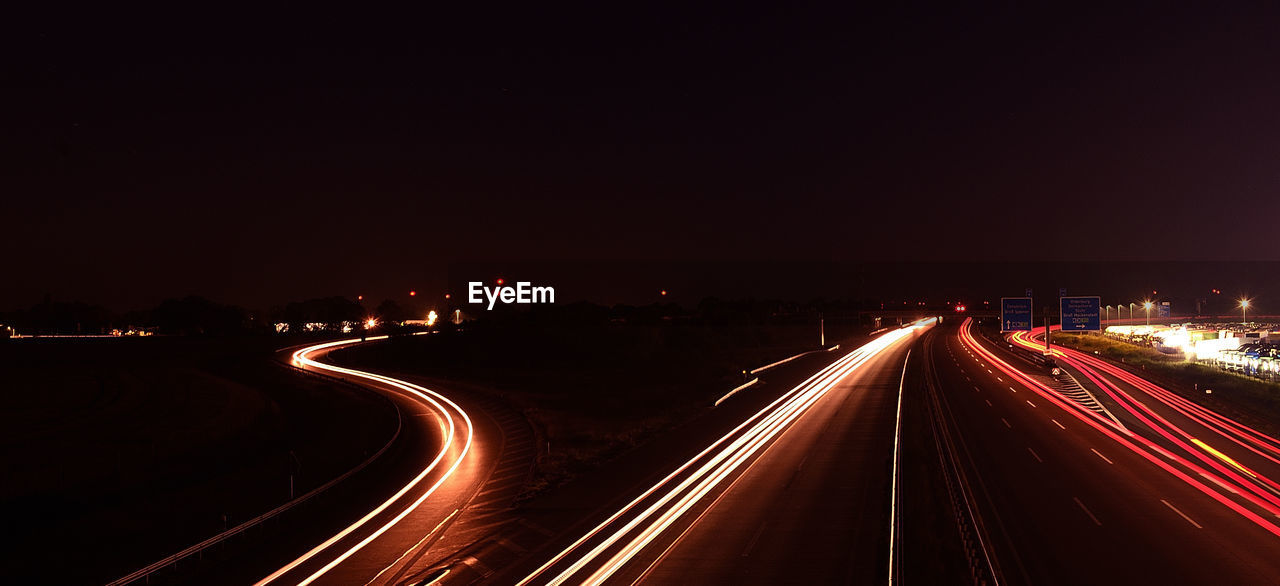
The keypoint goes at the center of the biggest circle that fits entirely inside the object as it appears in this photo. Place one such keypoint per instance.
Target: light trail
(449, 428)
(1237, 433)
(705, 472)
(1139, 445)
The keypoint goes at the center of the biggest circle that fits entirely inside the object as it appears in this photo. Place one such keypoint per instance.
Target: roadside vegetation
(152, 444)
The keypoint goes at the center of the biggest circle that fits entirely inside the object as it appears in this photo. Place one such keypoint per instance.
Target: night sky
(256, 157)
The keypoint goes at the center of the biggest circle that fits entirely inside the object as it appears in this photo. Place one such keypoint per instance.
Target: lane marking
(1055, 422)
(1086, 511)
(893, 499)
(1013, 389)
(1030, 403)
(415, 546)
(1037, 456)
(1101, 456)
(977, 389)
(1006, 423)
(989, 403)
(1184, 515)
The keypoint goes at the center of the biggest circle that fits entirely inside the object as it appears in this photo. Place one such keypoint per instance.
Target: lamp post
(1108, 313)
(1244, 311)
(1147, 306)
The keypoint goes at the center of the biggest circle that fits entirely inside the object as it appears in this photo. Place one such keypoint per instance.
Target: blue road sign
(1163, 309)
(1015, 314)
(1081, 314)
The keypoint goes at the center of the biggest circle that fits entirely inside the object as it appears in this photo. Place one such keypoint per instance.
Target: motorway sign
(1015, 314)
(1081, 314)
(1162, 310)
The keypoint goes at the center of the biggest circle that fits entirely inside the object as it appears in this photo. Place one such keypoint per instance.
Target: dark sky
(258, 157)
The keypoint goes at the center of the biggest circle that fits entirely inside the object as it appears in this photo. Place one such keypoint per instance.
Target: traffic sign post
(1015, 314)
(1081, 314)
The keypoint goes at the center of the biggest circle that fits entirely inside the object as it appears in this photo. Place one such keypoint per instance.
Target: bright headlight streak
(590, 534)
(731, 449)
(723, 463)
(301, 357)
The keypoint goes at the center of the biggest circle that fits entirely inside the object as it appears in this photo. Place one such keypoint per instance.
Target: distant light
(412, 293)
(1147, 305)
(500, 281)
(431, 318)
(372, 322)
(1244, 303)
(446, 296)
(664, 292)
(359, 297)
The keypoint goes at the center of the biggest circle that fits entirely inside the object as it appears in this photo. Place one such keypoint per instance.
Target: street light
(1147, 306)
(1244, 311)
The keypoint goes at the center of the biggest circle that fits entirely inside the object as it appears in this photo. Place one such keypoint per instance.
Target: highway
(928, 455)
(981, 474)
(745, 506)
(1067, 497)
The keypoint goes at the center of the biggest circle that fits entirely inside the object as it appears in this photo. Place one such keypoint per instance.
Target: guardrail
(198, 548)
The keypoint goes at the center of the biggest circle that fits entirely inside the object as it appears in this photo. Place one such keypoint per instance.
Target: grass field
(126, 450)
(593, 392)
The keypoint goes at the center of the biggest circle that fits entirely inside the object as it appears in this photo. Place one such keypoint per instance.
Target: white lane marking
(1055, 422)
(1037, 456)
(1101, 456)
(415, 546)
(999, 379)
(989, 403)
(1086, 511)
(893, 499)
(1013, 389)
(1006, 423)
(1184, 515)
(1030, 403)
(977, 389)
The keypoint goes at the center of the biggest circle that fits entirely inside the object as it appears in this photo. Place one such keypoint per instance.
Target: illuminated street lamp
(1108, 313)
(1244, 311)
(1147, 306)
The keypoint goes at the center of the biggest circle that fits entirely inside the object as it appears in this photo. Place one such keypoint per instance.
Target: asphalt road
(1062, 502)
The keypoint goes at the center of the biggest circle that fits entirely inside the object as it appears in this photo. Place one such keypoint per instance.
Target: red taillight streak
(1107, 430)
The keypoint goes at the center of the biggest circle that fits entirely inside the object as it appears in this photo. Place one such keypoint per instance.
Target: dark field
(127, 450)
(593, 392)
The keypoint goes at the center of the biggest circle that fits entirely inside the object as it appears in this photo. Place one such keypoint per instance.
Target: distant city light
(413, 293)
(359, 297)
(372, 322)
(431, 318)
(447, 296)
(664, 292)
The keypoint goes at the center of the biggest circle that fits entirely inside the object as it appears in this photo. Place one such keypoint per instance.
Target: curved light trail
(446, 411)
